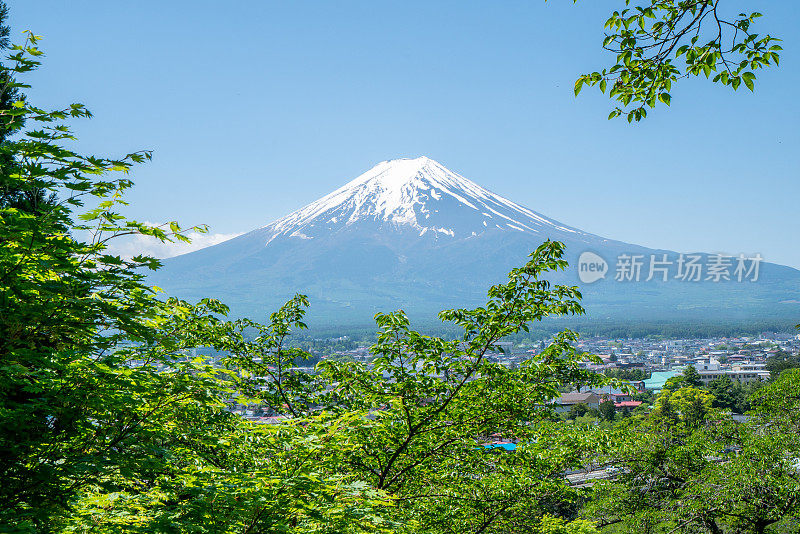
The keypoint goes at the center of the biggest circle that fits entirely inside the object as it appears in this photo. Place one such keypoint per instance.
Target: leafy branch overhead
(663, 41)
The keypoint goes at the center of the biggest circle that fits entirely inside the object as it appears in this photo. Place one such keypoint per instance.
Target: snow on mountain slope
(411, 234)
(413, 194)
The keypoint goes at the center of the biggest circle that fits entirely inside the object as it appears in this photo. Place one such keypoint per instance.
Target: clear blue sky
(255, 108)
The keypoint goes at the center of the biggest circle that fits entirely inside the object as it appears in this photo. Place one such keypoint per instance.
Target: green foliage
(607, 410)
(690, 468)
(633, 375)
(108, 422)
(688, 405)
(557, 525)
(781, 361)
(431, 398)
(578, 410)
(32, 200)
(653, 457)
(778, 403)
(758, 487)
(659, 42)
(689, 378)
(732, 395)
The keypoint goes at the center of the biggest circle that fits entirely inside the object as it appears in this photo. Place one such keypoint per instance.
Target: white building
(744, 372)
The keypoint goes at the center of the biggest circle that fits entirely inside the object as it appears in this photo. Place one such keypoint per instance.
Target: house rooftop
(576, 397)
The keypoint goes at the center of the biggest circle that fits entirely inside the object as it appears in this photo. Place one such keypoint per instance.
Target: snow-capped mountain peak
(419, 195)
(410, 234)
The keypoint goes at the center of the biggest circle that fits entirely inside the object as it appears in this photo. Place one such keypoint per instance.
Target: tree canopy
(690, 468)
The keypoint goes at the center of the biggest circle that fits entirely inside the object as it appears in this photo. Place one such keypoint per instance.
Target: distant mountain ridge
(411, 234)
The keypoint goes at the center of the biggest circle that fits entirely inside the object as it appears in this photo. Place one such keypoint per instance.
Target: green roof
(659, 378)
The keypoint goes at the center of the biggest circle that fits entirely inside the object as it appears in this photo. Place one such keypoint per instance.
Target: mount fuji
(411, 234)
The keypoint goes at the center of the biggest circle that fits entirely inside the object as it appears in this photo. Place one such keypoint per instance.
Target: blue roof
(506, 446)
